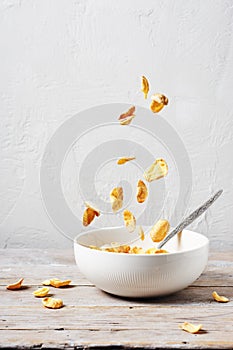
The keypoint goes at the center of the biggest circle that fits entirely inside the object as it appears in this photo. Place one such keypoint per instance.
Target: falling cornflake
(144, 86)
(158, 102)
(116, 198)
(159, 230)
(156, 171)
(142, 192)
(124, 160)
(89, 214)
(127, 117)
(129, 220)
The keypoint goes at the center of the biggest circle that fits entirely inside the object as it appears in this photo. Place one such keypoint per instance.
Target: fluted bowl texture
(132, 275)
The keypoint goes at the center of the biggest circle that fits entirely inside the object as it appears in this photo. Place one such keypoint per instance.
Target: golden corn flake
(127, 114)
(158, 102)
(155, 107)
(127, 120)
(96, 211)
(94, 247)
(112, 250)
(141, 233)
(41, 292)
(151, 250)
(127, 117)
(16, 285)
(55, 282)
(160, 98)
(89, 214)
(219, 298)
(116, 198)
(142, 192)
(191, 328)
(124, 160)
(161, 251)
(120, 249)
(136, 250)
(156, 171)
(159, 230)
(46, 283)
(145, 86)
(156, 251)
(129, 220)
(123, 249)
(52, 303)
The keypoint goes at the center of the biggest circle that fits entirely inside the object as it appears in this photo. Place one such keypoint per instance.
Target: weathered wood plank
(159, 317)
(36, 274)
(115, 339)
(91, 296)
(92, 319)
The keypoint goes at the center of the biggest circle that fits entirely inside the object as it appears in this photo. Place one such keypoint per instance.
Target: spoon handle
(189, 219)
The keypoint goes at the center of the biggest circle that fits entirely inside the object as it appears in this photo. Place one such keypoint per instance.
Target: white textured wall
(60, 57)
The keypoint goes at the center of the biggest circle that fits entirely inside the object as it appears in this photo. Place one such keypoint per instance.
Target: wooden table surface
(92, 319)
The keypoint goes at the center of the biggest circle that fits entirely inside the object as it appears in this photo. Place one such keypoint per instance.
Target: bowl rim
(158, 256)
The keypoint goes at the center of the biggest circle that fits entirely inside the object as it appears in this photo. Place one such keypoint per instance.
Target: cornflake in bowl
(133, 272)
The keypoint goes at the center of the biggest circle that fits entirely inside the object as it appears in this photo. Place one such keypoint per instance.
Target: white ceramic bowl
(131, 275)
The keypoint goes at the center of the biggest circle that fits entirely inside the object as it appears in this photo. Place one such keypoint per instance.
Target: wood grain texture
(92, 319)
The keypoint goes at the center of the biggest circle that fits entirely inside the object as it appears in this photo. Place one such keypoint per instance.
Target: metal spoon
(189, 219)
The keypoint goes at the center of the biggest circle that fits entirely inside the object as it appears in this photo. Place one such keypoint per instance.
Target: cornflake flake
(89, 214)
(46, 283)
(41, 292)
(127, 121)
(124, 160)
(127, 117)
(127, 114)
(136, 250)
(15, 286)
(129, 220)
(142, 192)
(52, 303)
(156, 251)
(145, 86)
(55, 282)
(141, 233)
(116, 198)
(158, 102)
(159, 230)
(156, 171)
(191, 328)
(219, 298)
